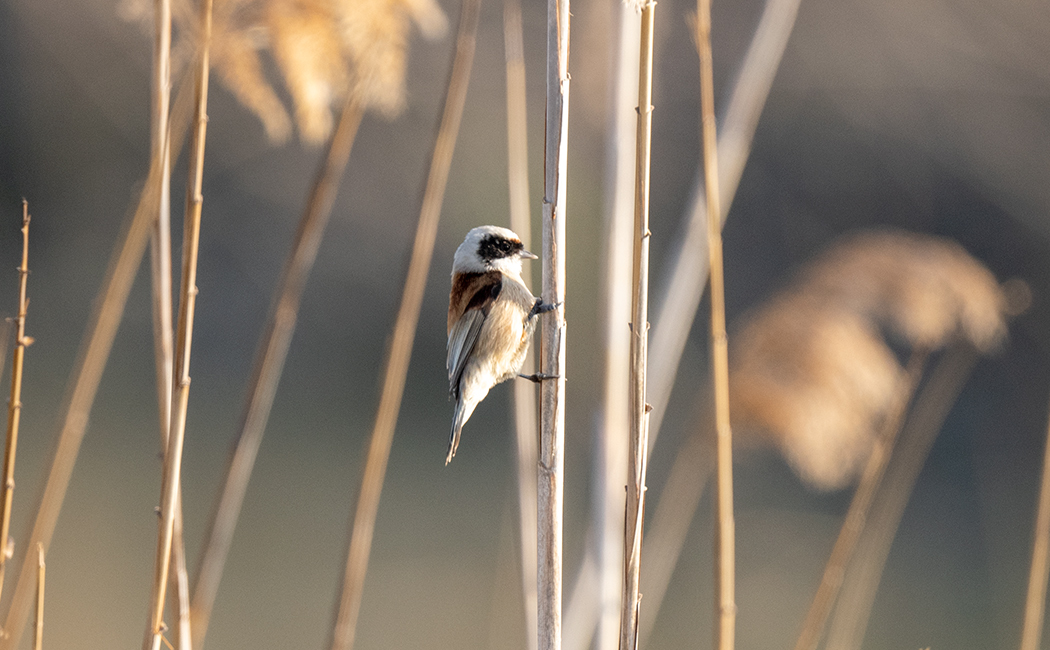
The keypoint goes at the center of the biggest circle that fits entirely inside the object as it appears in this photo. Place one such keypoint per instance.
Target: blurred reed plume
(324, 50)
(810, 369)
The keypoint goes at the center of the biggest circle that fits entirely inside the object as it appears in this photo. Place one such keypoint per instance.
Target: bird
(491, 317)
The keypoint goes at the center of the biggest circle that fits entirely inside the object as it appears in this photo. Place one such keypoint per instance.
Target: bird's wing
(463, 333)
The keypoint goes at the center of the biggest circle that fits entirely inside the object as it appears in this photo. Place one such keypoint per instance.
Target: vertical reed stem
(345, 627)
(41, 571)
(550, 491)
(1035, 602)
(725, 541)
(638, 408)
(14, 406)
(188, 297)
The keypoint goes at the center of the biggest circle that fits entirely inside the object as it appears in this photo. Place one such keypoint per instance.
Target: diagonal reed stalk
(524, 392)
(14, 406)
(270, 357)
(98, 340)
(551, 466)
(725, 543)
(41, 575)
(169, 496)
(160, 275)
(638, 408)
(1035, 600)
(927, 414)
(859, 507)
(345, 626)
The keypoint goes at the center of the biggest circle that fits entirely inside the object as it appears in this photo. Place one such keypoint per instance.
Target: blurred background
(930, 116)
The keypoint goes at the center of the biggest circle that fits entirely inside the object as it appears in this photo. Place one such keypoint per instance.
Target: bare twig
(524, 392)
(169, 496)
(14, 406)
(41, 574)
(725, 541)
(550, 492)
(160, 275)
(98, 341)
(270, 358)
(859, 507)
(1035, 602)
(400, 352)
(638, 408)
(931, 406)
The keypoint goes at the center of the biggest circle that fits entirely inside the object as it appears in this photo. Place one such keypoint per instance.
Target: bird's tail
(460, 418)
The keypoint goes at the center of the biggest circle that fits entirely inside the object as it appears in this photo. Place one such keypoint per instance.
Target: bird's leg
(541, 307)
(539, 376)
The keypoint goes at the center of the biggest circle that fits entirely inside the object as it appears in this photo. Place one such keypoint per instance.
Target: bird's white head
(490, 248)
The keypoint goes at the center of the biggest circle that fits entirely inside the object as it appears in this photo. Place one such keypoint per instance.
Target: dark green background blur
(930, 115)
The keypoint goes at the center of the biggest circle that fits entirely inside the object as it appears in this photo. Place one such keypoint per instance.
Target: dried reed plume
(810, 369)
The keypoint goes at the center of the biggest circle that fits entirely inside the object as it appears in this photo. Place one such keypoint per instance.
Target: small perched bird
(491, 316)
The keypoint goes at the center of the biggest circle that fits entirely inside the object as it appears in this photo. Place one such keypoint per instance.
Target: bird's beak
(527, 255)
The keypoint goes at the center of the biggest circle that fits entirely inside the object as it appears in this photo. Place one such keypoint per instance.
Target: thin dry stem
(14, 406)
(92, 361)
(272, 353)
(550, 491)
(169, 498)
(41, 575)
(927, 414)
(400, 352)
(859, 507)
(524, 393)
(725, 541)
(160, 275)
(638, 408)
(1035, 601)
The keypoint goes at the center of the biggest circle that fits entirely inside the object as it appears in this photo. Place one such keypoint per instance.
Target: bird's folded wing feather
(479, 295)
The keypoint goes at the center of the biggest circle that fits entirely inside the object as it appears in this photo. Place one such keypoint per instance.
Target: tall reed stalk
(1035, 600)
(396, 370)
(41, 576)
(14, 406)
(725, 543)
(638, 408)
(169, 496)
(521, 223)
(550, 491)
(859, 507)
(84, 381)
(160, 276)
(270, 357)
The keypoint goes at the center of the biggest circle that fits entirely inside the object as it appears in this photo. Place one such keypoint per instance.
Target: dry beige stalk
(14, 406)
(41, 575)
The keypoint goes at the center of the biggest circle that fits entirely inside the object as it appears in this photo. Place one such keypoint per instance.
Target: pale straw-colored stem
(932, 404)
(638, 408)
(394, 375)
(14, 406)
(524, 392)
(551, 478)
(84, 381)
(41, 575)
(172, 470)
(270, 358)
(1035, 601)
(160, 276)
(725, 539)
(859, 507)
